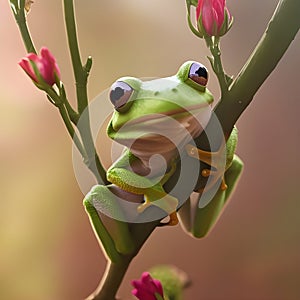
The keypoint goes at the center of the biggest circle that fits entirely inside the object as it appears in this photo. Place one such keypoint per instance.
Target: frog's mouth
(188, 121)
(176, 114)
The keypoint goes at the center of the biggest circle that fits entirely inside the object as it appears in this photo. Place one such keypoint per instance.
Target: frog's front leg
(153, 192)
(204, 218)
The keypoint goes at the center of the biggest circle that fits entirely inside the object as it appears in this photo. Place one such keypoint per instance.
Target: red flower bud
(147, 287)
(213, 17)
(45, 67)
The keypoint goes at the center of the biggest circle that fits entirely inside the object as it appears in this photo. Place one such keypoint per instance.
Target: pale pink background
(47, 248)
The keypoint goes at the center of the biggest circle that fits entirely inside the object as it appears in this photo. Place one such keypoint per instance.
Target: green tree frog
(157, 120)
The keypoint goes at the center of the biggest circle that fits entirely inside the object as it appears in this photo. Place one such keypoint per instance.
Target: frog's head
(145, 102)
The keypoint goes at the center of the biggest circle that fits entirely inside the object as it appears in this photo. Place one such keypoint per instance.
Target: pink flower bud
(213, 17)
(45, 67)
(147, 287)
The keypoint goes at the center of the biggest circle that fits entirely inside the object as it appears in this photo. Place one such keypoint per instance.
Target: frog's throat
(166, 138)
(175, 113)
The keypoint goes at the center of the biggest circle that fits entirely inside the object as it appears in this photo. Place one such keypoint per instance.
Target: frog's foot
(173, 219)
(213, 159)
(167, 203)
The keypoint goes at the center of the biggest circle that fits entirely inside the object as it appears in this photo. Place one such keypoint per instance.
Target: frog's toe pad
(223, 186)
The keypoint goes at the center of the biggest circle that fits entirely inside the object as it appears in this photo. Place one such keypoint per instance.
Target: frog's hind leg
(205, 217)
(185, 215)
(105, 214)
(199, 220)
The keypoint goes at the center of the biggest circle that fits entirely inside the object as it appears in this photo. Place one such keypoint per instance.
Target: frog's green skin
(166, 96)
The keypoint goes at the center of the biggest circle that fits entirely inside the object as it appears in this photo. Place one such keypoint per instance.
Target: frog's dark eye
(120, 93)
(198, 73)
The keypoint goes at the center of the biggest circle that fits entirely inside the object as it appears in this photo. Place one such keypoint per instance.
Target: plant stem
(19, 13)
(115, 272)
(216, 63)
(81, 74)
(71, 130)
(111, 280)
(64, 114)
(279, 34)
(284, 24)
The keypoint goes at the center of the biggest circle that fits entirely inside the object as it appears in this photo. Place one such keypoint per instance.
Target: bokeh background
(47, 248)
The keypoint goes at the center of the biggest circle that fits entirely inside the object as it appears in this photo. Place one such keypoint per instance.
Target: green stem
(279, 34)
(73, 115)
(111, 281)
(216, 63)
(64, 114)
(19, 13)
(71, 130)
(115, 272)
(284, 24)
(81, 74)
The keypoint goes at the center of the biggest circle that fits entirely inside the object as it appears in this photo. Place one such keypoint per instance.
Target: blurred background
(47, 248)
